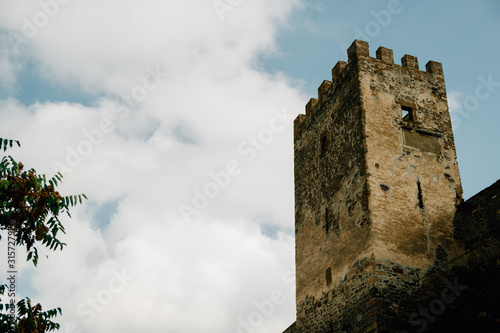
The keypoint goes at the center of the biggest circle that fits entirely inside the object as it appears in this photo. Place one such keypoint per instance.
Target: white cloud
(107, 45)
(10, 60)
(188, 277)
(457, 114)
(173, 273)
(7, 73)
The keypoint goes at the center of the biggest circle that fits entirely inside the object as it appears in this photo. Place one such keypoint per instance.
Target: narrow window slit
(420, 198)
(327, 220)
(323, 144)
(328, 276)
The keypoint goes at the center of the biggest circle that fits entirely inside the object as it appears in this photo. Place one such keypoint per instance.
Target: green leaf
(4, 183)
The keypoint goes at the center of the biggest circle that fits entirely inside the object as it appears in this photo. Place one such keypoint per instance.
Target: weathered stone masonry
(376, 190)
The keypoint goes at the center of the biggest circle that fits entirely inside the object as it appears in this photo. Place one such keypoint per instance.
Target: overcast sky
(175, 119)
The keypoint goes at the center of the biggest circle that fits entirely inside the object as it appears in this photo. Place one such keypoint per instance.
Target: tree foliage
(30, 208)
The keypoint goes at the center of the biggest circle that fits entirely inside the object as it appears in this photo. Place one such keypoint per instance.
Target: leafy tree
(30, 208)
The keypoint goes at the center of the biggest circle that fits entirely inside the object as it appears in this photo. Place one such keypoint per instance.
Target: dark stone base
(382, 296)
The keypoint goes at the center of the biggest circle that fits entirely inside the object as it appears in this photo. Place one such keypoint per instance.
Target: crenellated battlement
(359, 52)
(360, 49)
(377, 186)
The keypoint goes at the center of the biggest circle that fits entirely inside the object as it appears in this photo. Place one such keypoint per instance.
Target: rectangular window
(406, 113)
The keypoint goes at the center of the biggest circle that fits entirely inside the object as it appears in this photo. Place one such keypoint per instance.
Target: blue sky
(175, 119)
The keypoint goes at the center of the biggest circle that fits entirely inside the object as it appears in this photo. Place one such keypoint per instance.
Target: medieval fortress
(384, 239)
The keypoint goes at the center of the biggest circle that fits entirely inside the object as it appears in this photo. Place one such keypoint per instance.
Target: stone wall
(477, 227)
(375, 296)
(383, 296)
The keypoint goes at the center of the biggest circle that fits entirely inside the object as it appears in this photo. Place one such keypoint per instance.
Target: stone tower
(376, 189)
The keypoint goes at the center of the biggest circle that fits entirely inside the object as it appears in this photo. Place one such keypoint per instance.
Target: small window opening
(327, 220)
(449, 177)
(324, 144)
(420, 197)
(384, 187)
(328, 276)
(406, 113)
